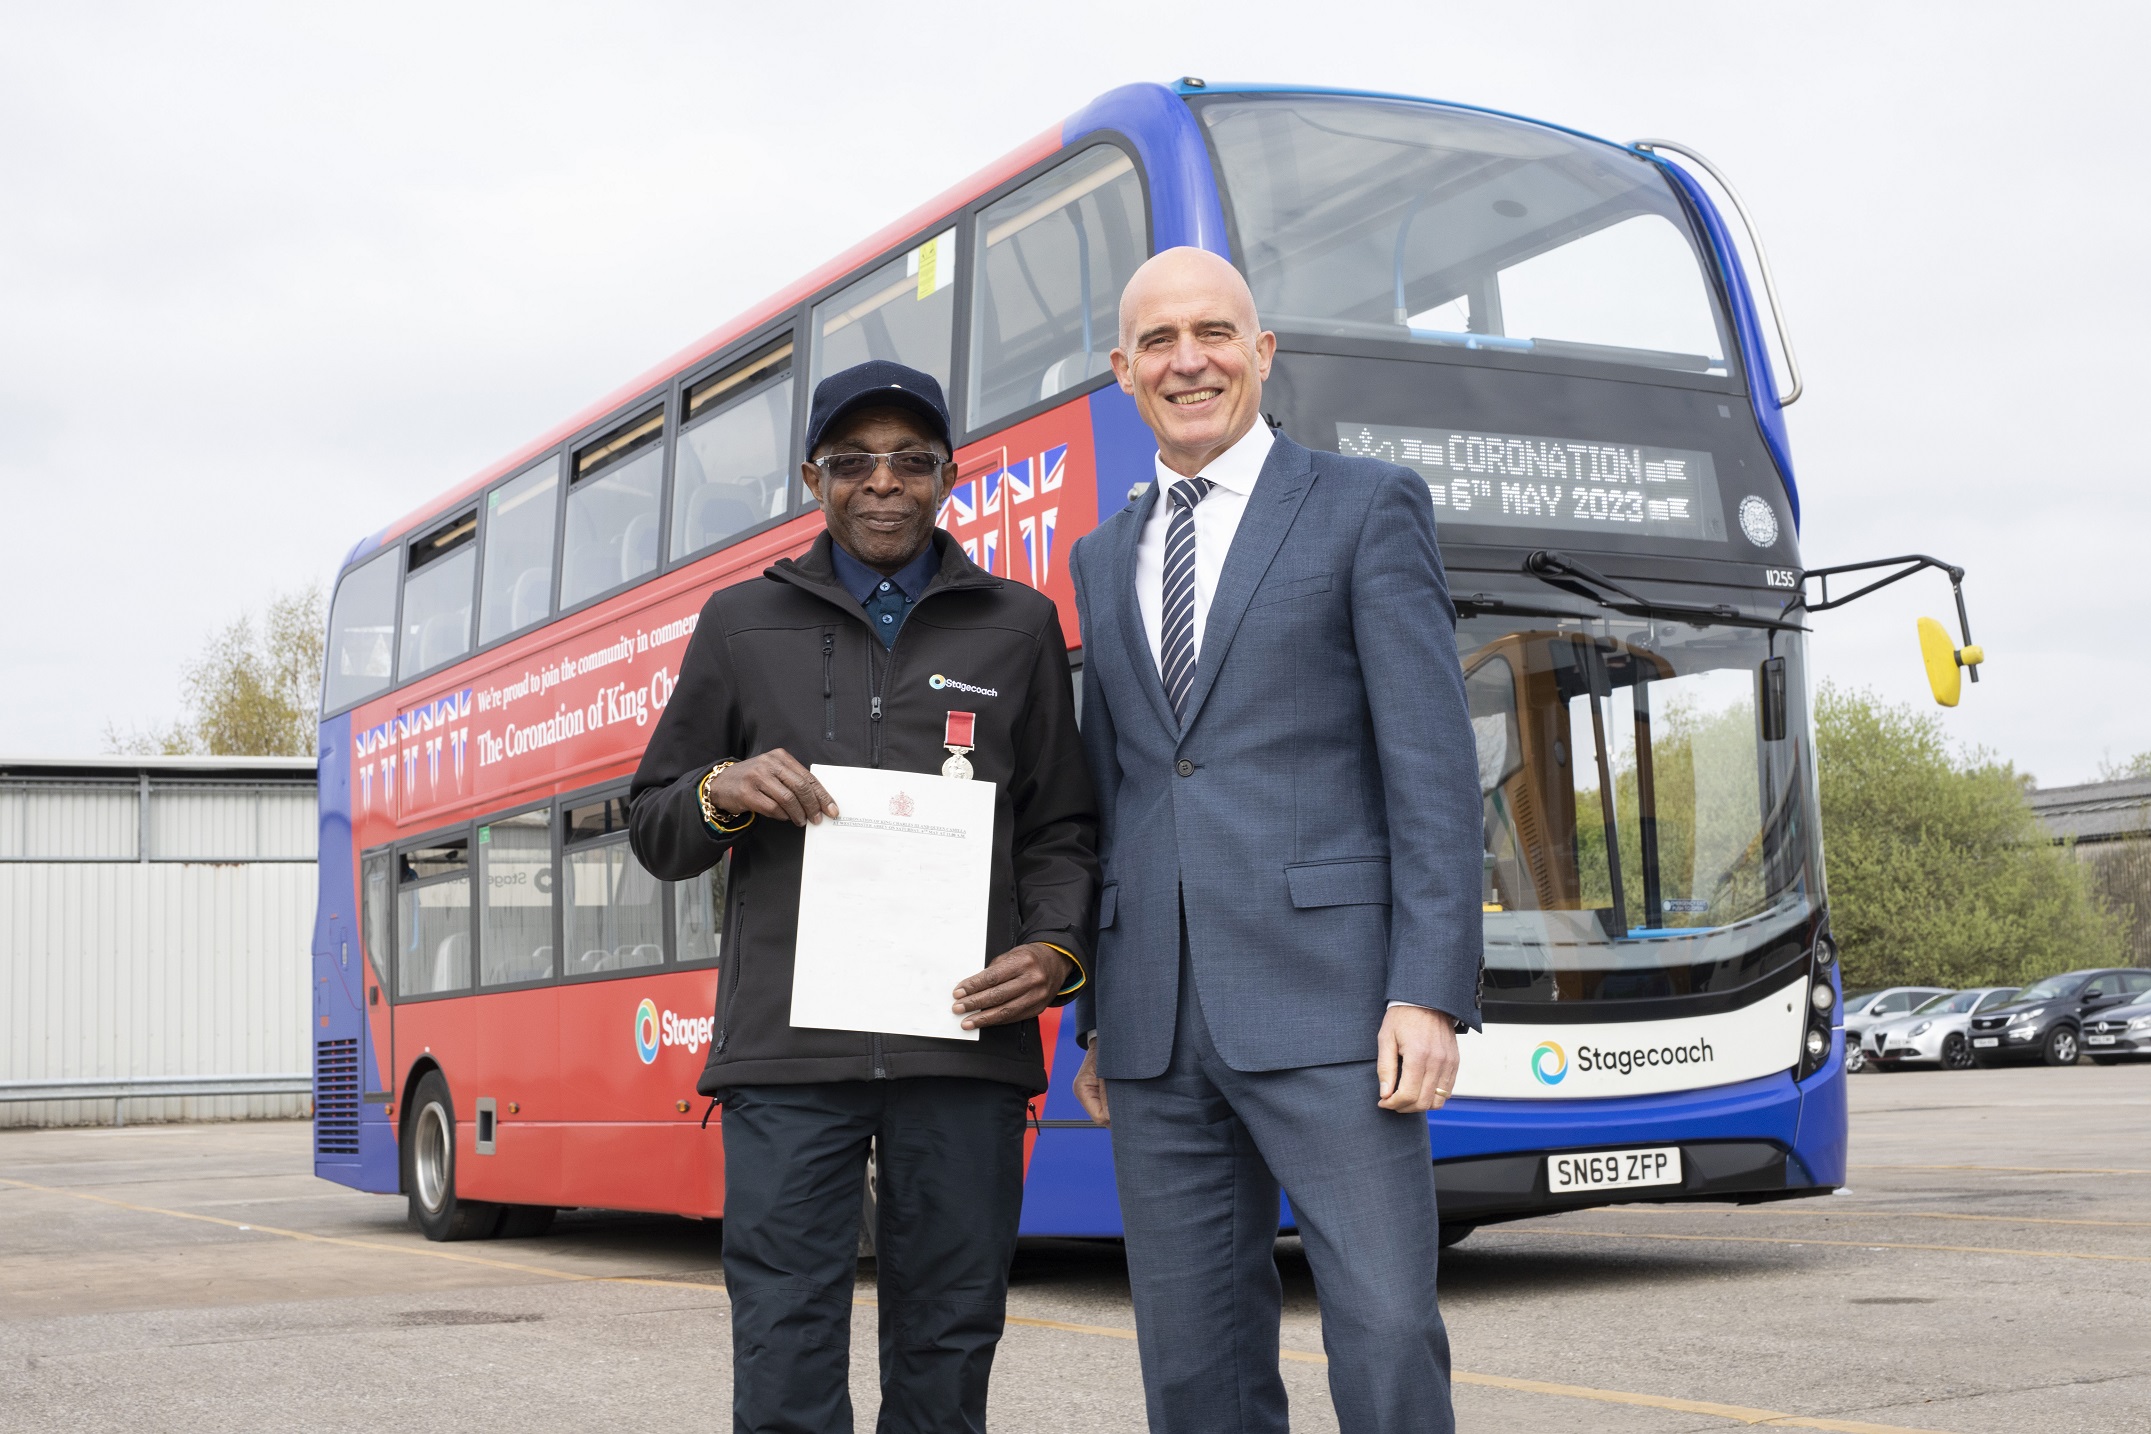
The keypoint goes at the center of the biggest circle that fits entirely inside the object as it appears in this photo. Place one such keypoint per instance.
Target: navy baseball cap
(877, 383)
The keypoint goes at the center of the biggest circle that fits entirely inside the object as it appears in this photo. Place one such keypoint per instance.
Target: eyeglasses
(855, 467)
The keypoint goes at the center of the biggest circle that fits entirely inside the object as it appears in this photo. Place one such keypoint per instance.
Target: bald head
(1193, 354)
(1179, 276)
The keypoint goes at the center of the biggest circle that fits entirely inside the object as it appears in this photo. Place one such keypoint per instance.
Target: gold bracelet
(722, 823)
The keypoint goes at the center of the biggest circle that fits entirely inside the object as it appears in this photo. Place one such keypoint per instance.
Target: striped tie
(1177, 661)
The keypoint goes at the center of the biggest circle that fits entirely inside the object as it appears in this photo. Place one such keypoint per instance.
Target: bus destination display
(1572, 485)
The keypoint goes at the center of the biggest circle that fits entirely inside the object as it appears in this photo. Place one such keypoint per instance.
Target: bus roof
(1197, 229)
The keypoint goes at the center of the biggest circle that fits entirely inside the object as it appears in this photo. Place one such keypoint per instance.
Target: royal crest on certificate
(893, 898)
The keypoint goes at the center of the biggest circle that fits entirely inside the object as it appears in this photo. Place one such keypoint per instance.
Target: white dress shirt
(1217, 518)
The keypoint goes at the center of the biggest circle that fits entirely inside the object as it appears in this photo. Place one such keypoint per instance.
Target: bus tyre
(2061, 1046)
(1454, 1234)
(429, 1169)
(1956, 1054)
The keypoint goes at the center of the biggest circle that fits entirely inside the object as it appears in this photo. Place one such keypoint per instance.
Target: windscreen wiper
(1559, 570)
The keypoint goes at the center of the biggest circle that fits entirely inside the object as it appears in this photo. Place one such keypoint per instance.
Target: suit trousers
(949, 1182)
(1199, 1154)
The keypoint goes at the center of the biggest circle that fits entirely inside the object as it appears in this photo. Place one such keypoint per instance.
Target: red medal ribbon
(958, 733)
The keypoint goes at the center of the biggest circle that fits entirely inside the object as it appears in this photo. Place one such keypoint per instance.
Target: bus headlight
(1822, 997)
(1818, 1043)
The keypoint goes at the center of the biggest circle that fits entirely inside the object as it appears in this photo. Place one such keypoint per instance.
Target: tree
(2136, 766)
(250, 693)
(1938, 871)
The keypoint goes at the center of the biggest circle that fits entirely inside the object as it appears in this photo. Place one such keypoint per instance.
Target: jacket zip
(728, 976)
(876, 685)
(829, 683)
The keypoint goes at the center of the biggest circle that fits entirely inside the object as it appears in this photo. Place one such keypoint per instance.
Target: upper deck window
(362, 634)
(437, 583)
(1388, 220)
(730, 472)
(518, 588)
(612, 509)
(1054, 257)
(904, 311)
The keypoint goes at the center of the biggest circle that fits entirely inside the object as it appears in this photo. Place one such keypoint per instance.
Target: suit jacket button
(1185, 768)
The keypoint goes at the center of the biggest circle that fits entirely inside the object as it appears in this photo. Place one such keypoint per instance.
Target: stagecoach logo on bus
(655, 1029)
(981, 514)
(426, 731)
(1550, 1064)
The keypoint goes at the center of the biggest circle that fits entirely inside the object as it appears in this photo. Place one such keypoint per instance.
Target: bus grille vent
(336, 1098)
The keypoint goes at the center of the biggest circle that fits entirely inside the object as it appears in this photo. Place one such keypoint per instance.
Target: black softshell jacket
(787, 661)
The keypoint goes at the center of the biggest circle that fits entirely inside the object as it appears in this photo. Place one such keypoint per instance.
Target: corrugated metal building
(155, 919)
(2108, 827)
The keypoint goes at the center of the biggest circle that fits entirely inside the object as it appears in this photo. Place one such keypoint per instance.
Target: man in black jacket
(856, 655)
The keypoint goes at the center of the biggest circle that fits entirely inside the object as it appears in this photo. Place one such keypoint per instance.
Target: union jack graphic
(1014, 504)
(961, 506)
(1038, 544)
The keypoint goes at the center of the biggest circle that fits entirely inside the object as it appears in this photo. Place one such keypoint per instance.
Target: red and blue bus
(1558, 332)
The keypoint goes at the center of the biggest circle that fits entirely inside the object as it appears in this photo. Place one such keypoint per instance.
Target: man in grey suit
(1289, 929)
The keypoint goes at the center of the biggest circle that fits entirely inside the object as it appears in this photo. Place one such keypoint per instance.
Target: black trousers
(949, 1155)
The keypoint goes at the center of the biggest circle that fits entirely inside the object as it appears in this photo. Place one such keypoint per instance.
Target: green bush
(1938, 872)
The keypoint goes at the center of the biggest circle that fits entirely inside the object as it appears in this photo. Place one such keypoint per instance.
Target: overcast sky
(271, 276)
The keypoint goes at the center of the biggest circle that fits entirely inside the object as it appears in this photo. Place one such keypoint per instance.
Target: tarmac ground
(1988, 1269)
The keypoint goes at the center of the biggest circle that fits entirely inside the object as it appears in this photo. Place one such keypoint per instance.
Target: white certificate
(893, 899)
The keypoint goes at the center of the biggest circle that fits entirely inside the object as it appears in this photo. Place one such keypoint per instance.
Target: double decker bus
(1558, 332)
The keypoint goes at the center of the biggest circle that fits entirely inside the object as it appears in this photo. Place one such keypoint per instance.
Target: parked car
(2119, 1032)
(1936, 1033)
(2046, 1021)
(1866, 1009)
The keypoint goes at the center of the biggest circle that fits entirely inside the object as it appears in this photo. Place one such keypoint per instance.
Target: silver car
(1935, 1033)
(1864, 1010)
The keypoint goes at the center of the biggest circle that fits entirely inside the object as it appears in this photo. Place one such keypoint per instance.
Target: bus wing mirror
(1945, 661)
(1773, 699)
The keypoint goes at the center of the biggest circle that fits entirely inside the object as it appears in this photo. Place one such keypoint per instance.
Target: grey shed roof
(2096, 811)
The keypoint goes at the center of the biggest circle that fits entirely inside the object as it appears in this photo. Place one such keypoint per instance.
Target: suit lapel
(1286, 476)
(1133, 638)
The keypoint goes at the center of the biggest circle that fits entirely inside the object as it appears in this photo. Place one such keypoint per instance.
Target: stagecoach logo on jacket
(990, 514)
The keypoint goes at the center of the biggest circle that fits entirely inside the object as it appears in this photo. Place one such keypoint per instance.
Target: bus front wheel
(429, 1169)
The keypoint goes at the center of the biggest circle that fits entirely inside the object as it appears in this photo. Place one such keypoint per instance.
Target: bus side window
(614, 909)
(433, 916)
(904, 311)
(1053, 258)
(377, 914)
(518, 586)
(697, 914)
(729, 473)
(362, 634)
(515, 884)
(612, 509)
(437, 584)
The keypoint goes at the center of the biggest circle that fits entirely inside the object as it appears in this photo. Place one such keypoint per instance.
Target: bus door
(513, 1071)
(634, 1022)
